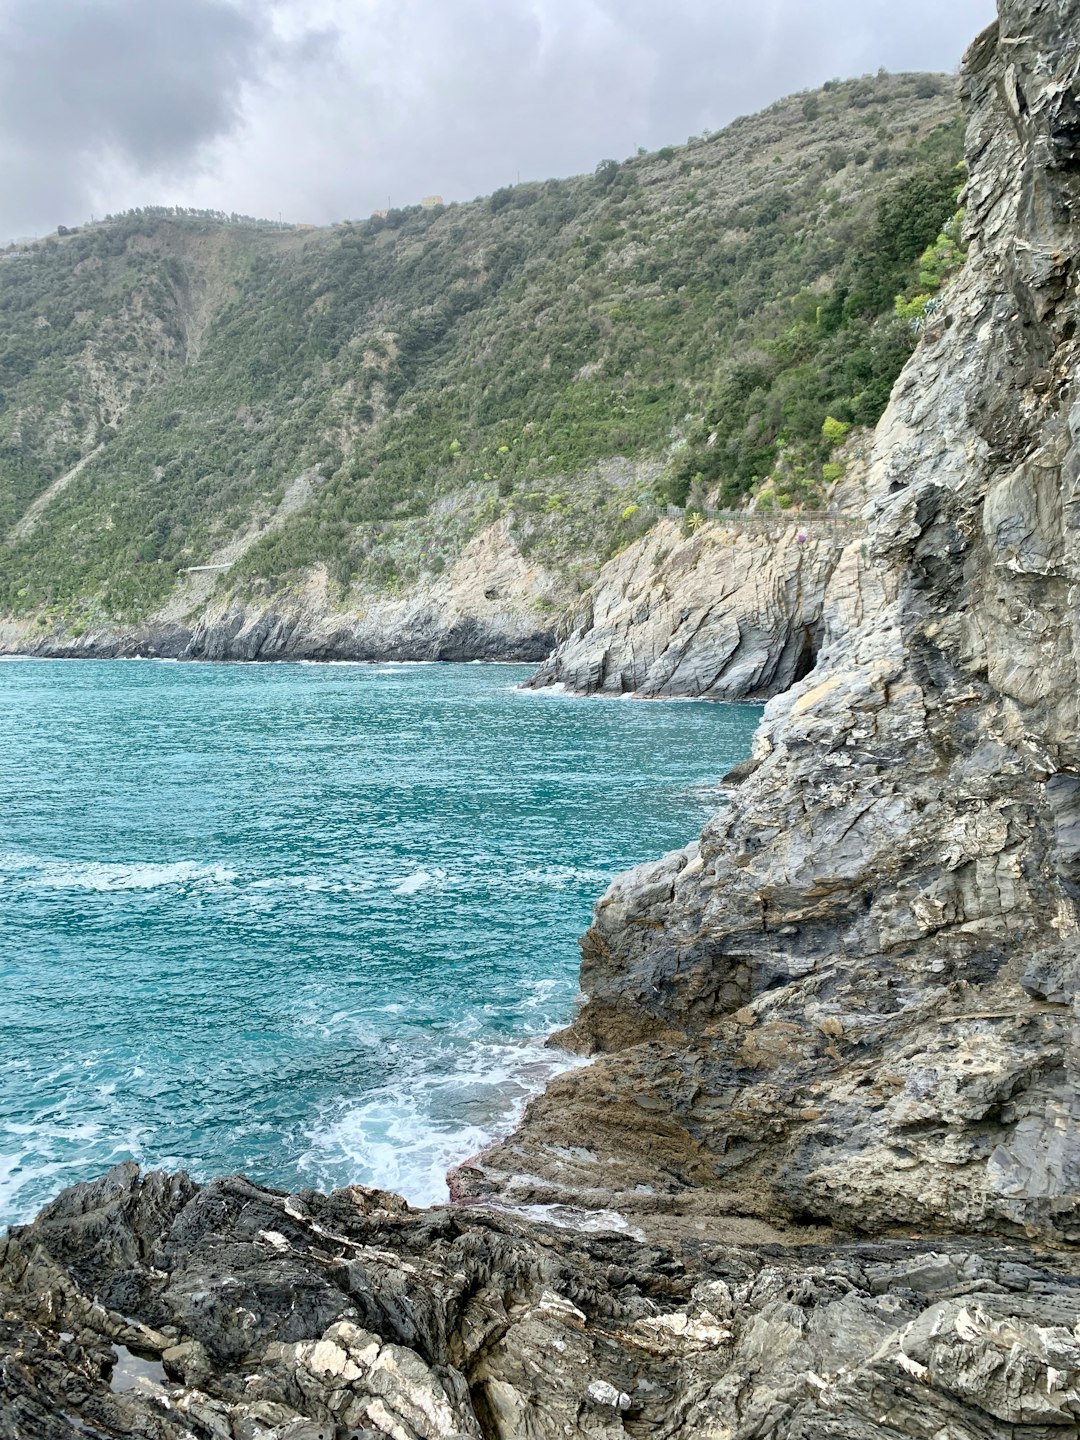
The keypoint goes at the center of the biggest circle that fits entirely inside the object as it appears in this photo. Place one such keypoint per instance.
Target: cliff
(491, 604)
(855, 1000)
(731, 611)
(842, 1022)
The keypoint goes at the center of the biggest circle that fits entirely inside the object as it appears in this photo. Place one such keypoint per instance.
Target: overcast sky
(325, 109)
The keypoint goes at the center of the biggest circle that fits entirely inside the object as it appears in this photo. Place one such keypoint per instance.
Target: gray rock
(492, 604)
(362, 1320)
(857, 1004)
(732, 612)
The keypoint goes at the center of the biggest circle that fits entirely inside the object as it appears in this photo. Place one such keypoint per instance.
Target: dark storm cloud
(137, 86)
(458, 98)
(327, 108)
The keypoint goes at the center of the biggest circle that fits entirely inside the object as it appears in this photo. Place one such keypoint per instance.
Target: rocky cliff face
(856, 1000)
(730, 612)
(492, 604)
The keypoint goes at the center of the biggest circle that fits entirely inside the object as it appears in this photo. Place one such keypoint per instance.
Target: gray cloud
(325, 108)
(119, 84)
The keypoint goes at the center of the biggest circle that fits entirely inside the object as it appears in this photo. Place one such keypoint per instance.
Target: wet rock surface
(147, 1306)
(855, 1000)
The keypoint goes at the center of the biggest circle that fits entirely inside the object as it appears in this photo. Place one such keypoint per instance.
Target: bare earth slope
(856, 999)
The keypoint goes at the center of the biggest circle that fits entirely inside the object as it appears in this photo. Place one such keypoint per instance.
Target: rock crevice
(729, 612)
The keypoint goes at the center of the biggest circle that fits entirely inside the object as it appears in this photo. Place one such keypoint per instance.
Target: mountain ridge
(546, 356)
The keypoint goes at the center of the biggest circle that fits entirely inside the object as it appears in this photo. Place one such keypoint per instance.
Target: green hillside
(701, 311)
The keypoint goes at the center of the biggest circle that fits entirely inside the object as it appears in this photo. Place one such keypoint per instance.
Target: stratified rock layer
(149, 1307)
(493, 604)
(857, 999)
(730, 612)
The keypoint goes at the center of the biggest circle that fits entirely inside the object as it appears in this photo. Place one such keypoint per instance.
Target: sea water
(308, 922)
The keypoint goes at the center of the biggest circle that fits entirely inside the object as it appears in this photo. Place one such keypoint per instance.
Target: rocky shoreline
(148, 1306)
(492, 605)
(835, 1044)
(730, 612)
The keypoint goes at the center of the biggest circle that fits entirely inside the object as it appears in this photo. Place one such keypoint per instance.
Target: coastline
(848, 1017)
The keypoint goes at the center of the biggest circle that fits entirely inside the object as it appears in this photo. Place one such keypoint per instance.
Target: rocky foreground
(150, 1307)
(834, 1100)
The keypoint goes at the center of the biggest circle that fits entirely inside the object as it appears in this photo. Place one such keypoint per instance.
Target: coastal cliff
(855, 1000)
(821, 1178)
(732, 611)
(491, 604)
(227, 437)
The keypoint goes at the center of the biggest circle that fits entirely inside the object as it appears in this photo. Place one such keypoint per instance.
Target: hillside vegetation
(700, 323)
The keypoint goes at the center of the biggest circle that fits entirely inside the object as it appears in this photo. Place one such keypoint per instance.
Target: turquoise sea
(311, 922)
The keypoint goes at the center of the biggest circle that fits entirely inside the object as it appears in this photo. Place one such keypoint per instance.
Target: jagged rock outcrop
(858, 999)
(150, 1307)
(730, 612)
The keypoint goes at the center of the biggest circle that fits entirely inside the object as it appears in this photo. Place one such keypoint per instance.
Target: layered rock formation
(854, 1005)
(493, 604)
(730, 612)
(152, 1308)
(856, 1001)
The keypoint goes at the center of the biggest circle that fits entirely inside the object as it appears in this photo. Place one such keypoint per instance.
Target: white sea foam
(40, 1162)
(563, 877)
(102, 876)
(418, 880)
(405, 1136)
(313, 884)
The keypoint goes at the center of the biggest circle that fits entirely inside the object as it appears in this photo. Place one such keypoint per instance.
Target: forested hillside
(702, 323)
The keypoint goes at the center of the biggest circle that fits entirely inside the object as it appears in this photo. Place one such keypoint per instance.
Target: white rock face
(733, 611)
(492, 604)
